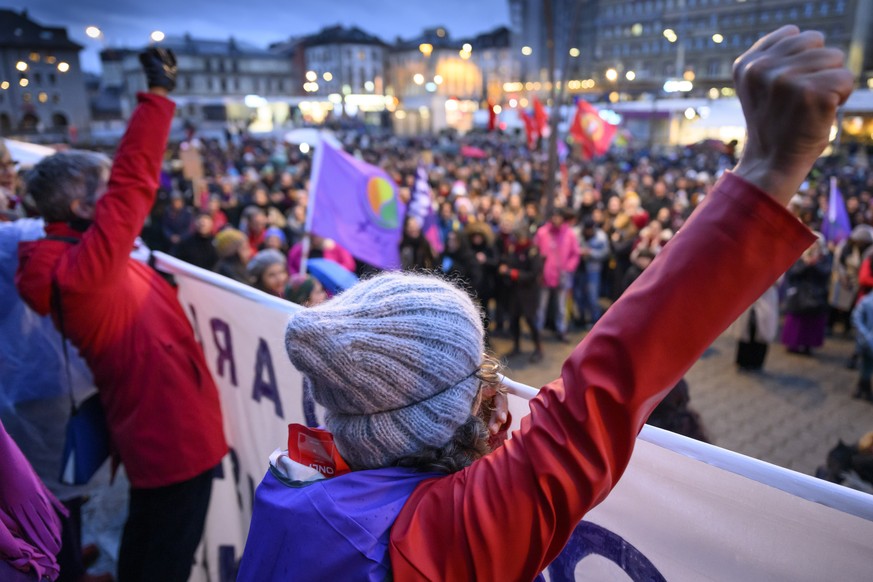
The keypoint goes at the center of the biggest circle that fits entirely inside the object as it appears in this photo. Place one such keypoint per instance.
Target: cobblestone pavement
(791, 414)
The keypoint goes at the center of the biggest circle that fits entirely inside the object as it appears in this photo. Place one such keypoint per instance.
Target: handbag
(86, 446)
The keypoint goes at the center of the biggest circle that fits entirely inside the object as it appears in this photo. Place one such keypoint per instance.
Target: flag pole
(310, 202)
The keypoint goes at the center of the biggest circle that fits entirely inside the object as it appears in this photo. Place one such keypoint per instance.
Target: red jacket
(161, 403)
(509, 514)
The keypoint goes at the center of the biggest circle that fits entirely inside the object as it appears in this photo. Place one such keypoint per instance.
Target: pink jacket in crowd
(560, 251)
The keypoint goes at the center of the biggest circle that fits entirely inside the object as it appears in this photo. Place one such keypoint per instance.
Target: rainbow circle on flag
(383, 203)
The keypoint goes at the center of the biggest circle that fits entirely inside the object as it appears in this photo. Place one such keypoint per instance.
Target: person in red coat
(396, 363)
(161, 404)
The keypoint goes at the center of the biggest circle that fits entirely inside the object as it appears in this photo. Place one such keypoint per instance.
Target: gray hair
(56, 181)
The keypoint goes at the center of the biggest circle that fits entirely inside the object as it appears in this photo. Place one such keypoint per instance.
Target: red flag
(492, 116)
(541, 118)
(592, 132)
(529, 128)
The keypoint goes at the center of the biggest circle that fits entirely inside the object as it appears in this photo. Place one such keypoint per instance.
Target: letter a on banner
(266, 388)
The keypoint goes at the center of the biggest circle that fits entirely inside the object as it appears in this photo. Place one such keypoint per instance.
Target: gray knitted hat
(392, 360)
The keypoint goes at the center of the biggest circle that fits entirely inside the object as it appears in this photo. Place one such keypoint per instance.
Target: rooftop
(18, 30)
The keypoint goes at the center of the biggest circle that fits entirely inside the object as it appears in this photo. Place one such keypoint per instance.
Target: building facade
(220, 82)
(42, 86)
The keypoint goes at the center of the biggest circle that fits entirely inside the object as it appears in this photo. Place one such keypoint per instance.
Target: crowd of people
(242, 211)
(245, 218)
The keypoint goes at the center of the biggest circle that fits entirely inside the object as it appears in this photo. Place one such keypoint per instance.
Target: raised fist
(790, 86)
(159, 65)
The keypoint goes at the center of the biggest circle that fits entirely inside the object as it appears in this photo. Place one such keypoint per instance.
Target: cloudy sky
(129, 22)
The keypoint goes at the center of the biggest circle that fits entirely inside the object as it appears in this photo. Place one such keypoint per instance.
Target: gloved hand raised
(790, 86)
(159, 65)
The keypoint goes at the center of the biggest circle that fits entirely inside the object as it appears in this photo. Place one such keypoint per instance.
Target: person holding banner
(160, 402)
(404, 485)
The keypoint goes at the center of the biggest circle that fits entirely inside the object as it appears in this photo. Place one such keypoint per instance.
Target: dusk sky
(128, 23)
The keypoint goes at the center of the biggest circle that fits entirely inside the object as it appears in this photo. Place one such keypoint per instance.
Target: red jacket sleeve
(120, 213)
(509, 514)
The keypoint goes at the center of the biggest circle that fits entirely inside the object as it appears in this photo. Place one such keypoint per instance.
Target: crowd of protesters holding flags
(483, 226)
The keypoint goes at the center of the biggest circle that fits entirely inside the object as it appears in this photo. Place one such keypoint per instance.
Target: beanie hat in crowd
(277, 232)
(299, 288)
(262, 261)
(393, 360)
(228, 242)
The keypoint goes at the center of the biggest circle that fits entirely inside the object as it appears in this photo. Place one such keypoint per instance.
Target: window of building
(51, 60)
(52, 79)
(42, 97)
(56, 98)
(808, 9)
(223, 84)
(824, 8)
(34, 57)
(37, 78)
(236, 84)
(840, 6)
(27, 97)
(713, 68)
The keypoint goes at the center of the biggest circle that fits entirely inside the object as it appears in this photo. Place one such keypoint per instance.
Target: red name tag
(315, 448)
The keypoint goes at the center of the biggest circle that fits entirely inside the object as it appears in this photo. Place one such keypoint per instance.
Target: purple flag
(356, 205)
(421, 207)
(836, 225)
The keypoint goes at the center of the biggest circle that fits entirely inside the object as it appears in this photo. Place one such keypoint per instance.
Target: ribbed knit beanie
(392, 360)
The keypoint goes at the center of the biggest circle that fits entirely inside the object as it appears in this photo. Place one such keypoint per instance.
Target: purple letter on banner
(266, 388)
(225, 348)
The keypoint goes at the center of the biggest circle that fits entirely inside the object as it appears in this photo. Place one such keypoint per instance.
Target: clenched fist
(790, 86)
(159, 65)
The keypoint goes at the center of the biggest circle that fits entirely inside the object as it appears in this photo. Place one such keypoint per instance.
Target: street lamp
(157, 36)
(574, 52)
(611, 74)
(93, 32)
(21, 66)
(63, 67)
(467, 48)
(426, 48)
(327, 76)
(526, 51)
(630, 75)
(438, 79)
(670, 35)
(311, 76)
(418, 79)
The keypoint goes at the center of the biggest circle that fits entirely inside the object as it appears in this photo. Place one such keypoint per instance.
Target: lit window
(42, 97)
(34, 57)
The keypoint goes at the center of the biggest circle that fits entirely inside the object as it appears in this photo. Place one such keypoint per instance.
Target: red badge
(315, 448)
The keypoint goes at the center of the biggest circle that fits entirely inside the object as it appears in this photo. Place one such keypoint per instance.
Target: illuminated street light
(304, 148)
(63, 67)
(93, 32)
(426, 48)
(369, 86)
(526, 51)
(327, 76)
(611, 74)
(464, 54)
(688, 75)
(690, 113)
(717, 38)
(670, 35)
(497, 109)
(21, 66)
(574, 52)
(418, 79)
(157, 36)
(467, 47)
(630, 75)
(23, 82)
(4, 85)
(311, 76)
(438, 79)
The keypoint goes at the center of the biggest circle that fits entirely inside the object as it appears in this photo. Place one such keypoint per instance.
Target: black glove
(159, 65)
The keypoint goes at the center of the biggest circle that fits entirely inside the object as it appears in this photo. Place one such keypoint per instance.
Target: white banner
(684, 510)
